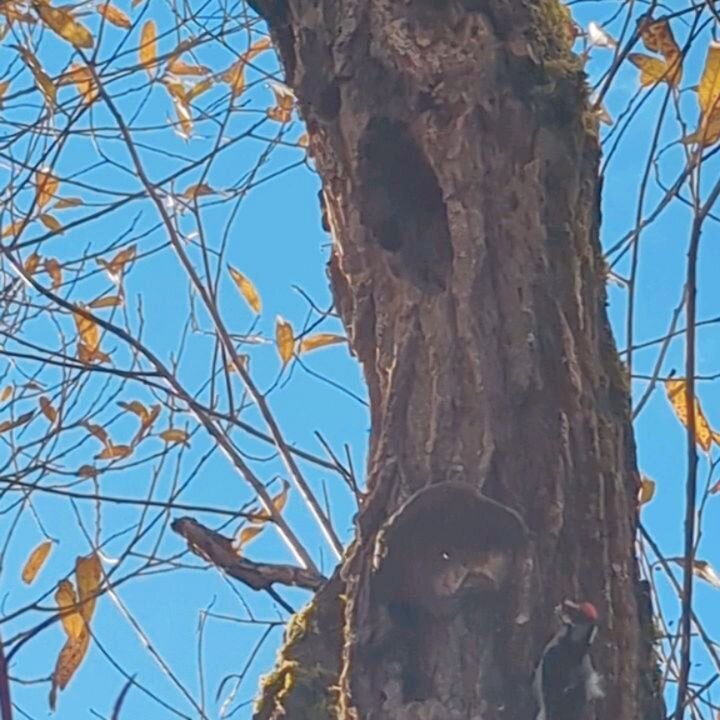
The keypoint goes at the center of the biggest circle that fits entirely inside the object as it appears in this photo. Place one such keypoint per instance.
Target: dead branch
(218, 550)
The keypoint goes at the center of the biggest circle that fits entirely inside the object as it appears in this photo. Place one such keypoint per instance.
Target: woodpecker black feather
(565, 679)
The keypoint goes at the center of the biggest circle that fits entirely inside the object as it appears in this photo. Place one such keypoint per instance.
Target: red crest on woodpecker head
(588, 610)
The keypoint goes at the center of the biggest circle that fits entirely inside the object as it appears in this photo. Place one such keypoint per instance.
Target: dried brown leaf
(51, 222)
(31, 263)
(46, 185)
(109, 301)
(98, 432)
(69, 202)
(114, 452)
(19, 421)
(114, 15)
(68, 661)
(47, 409)
(53, 269)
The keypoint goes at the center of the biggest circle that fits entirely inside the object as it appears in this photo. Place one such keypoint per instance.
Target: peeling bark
(460, 172)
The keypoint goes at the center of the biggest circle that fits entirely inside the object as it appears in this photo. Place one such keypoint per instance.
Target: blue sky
(273, 236)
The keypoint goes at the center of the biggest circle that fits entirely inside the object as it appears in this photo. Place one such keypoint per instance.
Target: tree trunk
(459, 161)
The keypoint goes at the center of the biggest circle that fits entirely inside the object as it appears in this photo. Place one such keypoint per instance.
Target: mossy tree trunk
(459, 162)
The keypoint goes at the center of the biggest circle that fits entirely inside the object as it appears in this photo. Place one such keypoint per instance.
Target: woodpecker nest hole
(447, 542)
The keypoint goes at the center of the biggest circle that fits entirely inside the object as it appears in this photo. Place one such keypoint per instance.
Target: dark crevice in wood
(402, 206)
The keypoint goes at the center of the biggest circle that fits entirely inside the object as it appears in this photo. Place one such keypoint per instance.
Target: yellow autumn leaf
(114, 452)
(152, 415)
(260, 519)
(247, 289)
(285, 339)
(44, 83)
(15, 14)
(85, 83)
(52, 223)
(146, 423)
(653, 70)
(179, 67)
(97, 432)
(46, 185)
(4, 88)
(709, 87)
(83, 79)
(259, 46)
(185, 119)
(68, 661)
(114, 15)
(35, 562)
(6, 393)
(197, 190)
(135, 407)
(61, 21)
(90, 355)
(148, 46)
(47, 409)
(234, 76)
(174, 435)
(88, 576)
(676, 392)
(245, 535)
(116, 267)
(87, 329)
(647, 490)
(53, 269)
(284, 103)
(66, 599)
(108, 301)
(12, 229)
(198, 89)
(319, 340)
(278, 502)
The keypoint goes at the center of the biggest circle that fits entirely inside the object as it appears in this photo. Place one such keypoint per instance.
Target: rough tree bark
(459, 161)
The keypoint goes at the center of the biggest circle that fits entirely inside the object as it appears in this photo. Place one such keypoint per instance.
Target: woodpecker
(565, 679)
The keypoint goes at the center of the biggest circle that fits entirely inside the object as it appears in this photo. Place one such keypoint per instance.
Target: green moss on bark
(303, 684)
